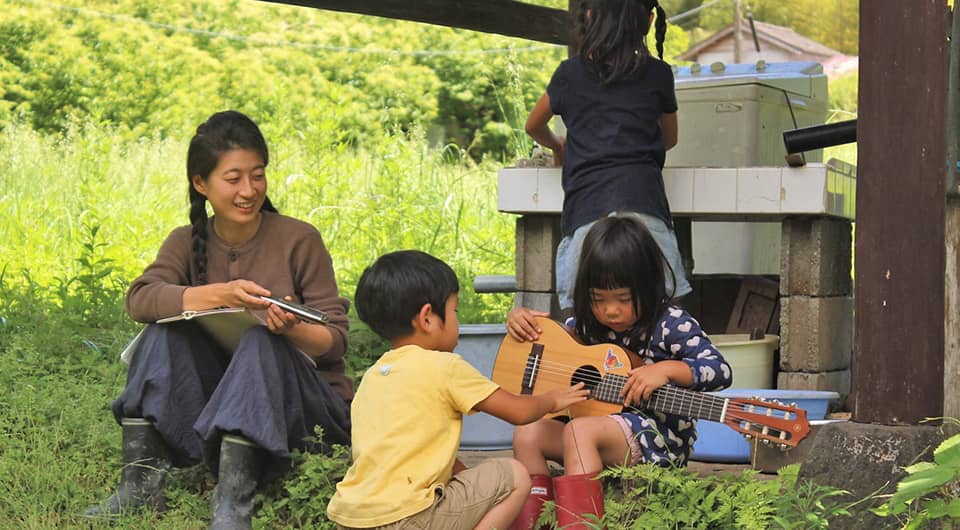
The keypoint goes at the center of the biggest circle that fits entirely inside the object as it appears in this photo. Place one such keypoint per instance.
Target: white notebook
(226, 326)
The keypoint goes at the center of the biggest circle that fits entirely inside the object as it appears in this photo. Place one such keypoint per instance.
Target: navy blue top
(614, 150)
(667, 439)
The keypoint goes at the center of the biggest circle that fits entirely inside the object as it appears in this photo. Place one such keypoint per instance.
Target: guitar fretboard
(666, 399)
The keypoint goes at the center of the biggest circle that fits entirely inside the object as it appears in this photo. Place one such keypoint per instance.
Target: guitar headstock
(770, 422)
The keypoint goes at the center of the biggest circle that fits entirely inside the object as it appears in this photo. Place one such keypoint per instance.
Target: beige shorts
(463, 501)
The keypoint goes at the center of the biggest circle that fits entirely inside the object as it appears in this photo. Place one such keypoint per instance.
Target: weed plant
(86, 211)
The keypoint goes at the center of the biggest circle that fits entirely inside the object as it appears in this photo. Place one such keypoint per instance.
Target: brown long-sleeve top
(286, 256)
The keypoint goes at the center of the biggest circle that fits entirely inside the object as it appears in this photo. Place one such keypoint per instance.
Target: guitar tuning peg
(748, 437)
(765, 441)
(783, 447)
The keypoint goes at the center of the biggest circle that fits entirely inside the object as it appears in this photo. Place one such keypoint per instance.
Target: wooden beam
(898, 358)
(505, 17)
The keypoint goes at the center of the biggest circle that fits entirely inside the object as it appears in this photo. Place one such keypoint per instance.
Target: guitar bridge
(531, 370)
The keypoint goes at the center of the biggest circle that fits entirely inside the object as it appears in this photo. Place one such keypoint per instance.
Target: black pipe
(820, 136)
(753, 30)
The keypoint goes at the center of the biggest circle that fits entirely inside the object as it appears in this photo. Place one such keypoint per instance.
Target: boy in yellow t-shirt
(408, 411)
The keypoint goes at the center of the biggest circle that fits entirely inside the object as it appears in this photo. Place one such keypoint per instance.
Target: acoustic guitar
(555, 360)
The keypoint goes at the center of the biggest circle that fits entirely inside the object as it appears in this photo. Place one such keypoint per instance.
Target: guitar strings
(563, 371)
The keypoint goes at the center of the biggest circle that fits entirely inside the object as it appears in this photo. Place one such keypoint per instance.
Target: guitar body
(555, 360)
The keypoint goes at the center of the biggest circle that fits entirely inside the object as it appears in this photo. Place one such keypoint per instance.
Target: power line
(691, 12)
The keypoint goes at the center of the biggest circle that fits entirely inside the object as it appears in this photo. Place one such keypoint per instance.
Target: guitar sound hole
(588, 375)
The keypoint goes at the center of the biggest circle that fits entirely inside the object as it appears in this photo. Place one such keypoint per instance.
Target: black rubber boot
(241, 462)
(146, 461)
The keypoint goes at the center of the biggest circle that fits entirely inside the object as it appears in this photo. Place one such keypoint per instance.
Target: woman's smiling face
(236, 189)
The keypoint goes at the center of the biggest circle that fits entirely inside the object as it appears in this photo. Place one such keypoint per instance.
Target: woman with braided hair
(618, 105)
(186, 399)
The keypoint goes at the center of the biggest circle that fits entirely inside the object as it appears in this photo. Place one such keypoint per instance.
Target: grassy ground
(84, 213)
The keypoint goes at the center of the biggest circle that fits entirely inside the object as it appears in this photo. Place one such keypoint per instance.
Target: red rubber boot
(541, 489)
(578, 496)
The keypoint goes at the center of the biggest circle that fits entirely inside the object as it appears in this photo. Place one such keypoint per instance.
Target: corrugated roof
(771, 34)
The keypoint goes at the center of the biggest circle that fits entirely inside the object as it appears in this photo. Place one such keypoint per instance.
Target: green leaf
(948, 453)
(921, 483)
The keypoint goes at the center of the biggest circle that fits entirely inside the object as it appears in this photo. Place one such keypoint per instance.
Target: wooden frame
(505, 17)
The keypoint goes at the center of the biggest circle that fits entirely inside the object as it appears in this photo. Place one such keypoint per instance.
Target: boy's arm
(520, 410)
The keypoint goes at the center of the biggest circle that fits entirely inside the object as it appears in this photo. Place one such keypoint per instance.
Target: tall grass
(86, 211)
(83, 213)
(399, 194)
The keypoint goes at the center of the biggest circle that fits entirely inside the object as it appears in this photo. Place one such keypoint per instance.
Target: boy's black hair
(618, 251)
(222, 132)
(392, 290)
(612, 36)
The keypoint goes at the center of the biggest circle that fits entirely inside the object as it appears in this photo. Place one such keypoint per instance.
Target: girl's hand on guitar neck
(643, 380)
(522, 323)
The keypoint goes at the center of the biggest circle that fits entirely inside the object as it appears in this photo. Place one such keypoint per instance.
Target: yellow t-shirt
(407, 416)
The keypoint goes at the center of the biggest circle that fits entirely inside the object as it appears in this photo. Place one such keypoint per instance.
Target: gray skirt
(194, 392)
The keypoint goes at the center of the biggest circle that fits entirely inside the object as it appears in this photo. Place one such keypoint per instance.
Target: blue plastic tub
(478, 346)
(717, 442)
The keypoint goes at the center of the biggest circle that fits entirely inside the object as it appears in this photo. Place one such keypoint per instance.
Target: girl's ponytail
(660, 27)
(580, 25)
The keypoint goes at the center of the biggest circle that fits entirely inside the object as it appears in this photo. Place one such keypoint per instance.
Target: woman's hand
(236, 293)
(243, 293)
(280, 321)
(642, 382)
(522, 323)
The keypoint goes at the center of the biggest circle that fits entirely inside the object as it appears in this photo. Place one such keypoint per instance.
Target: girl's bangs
(610, 271)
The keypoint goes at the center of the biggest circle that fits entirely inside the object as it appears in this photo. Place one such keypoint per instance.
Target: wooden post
(900, 258)
(951, 327)
(951, 371)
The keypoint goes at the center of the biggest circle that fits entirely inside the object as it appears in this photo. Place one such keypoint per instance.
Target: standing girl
(618, 105)
(187, 400)
(619, 298)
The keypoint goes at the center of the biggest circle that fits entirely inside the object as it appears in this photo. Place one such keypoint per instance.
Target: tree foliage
(159, 68)
(833, 23)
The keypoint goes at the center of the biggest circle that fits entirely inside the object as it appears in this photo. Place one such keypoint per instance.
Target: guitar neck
(666, 399)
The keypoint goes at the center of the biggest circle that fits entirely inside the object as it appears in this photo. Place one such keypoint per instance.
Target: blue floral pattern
(666, 439)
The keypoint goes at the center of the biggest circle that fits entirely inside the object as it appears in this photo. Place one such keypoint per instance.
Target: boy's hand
(522, 323)
(564, 397)
(642, 381)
